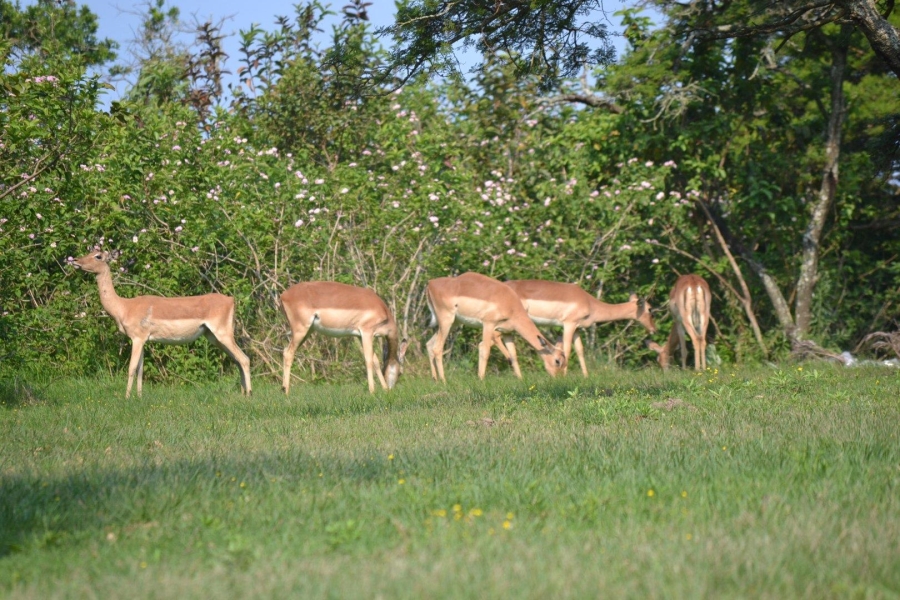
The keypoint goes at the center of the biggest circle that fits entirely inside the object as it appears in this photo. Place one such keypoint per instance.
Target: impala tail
(699, 305)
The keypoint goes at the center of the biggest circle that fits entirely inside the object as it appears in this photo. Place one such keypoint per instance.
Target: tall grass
(751, 482)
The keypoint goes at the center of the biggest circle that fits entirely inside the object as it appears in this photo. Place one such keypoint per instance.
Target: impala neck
(108, 297)
(531, 334)
(602, 312)
(391, 353)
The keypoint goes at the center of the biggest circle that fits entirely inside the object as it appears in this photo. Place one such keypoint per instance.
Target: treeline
(316, 167)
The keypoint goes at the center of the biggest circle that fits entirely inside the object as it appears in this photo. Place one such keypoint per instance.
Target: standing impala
(689, 303)
(478, 300)
(568, 306)
(338, 310)
(167, 320)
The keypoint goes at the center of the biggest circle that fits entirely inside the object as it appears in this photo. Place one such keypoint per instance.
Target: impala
(167, 320)
(477, 300)
(339, 310)
(689, 303)
(568, 306)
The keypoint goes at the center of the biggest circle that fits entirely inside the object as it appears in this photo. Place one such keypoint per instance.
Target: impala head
(392, 369)
(662, 353)
(642, 313)
(553, 356)
(93, 262)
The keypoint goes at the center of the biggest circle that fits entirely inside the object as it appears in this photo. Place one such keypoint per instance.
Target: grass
(762, 482)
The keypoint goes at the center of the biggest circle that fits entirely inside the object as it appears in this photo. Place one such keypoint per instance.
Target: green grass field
(755, 482)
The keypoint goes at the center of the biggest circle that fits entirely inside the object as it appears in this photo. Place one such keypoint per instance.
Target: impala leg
(508, 343)
(704, 316)
(137, 355)
(682, 343)
(484, 350)
(226, 344)
(699, 343)
(579, 350)
(507, 346)
(501, 345)
(368, 349)
(695, 342)
(140, 375)
(435, 348)
(298, 335)
(567, 338)
(376, 363)
(430, 349)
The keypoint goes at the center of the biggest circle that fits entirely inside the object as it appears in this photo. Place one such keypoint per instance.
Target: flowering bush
(423, 188)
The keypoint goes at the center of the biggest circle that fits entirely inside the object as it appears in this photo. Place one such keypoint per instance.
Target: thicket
(309, 170)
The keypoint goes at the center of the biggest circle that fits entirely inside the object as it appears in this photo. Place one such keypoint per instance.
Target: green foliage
(550, 40)
(310, 174)
(47, 28)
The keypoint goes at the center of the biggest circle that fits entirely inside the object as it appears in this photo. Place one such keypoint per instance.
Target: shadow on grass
(44, 513)
(17, 392)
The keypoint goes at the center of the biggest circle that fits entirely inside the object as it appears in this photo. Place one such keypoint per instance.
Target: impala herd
(338, 310)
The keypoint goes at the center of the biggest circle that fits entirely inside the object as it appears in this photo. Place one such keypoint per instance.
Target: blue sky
(120, 19)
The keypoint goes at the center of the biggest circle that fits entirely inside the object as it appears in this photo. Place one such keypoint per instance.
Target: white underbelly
(335, 331)
(175, 332)
(469, 321)
(544, 321)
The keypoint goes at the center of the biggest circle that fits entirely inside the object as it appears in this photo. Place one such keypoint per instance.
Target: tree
(550, 36)
(553, 39)
(787, 18)
(49, 27)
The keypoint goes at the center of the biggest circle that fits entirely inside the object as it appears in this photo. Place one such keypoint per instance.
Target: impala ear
(633, 298)
(543, 341)
(401, 351)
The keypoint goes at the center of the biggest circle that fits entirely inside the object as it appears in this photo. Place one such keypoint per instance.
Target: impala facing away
(339, 310)
(167, 320)
(478, 300)
(568, 306)
(689, 303)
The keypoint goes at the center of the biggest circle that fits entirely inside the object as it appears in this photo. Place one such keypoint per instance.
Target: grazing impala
(568, 306)
(338, 310)
(478, 300)
(689, 303)
(167, 320)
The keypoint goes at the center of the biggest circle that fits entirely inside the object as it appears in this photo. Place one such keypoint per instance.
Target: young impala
(176, 320)
(477, 300)
(568, 306)
(689, 303)
(338, 310)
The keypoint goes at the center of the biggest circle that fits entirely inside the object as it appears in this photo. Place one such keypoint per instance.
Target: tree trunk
(806, 282)
(883, 37)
